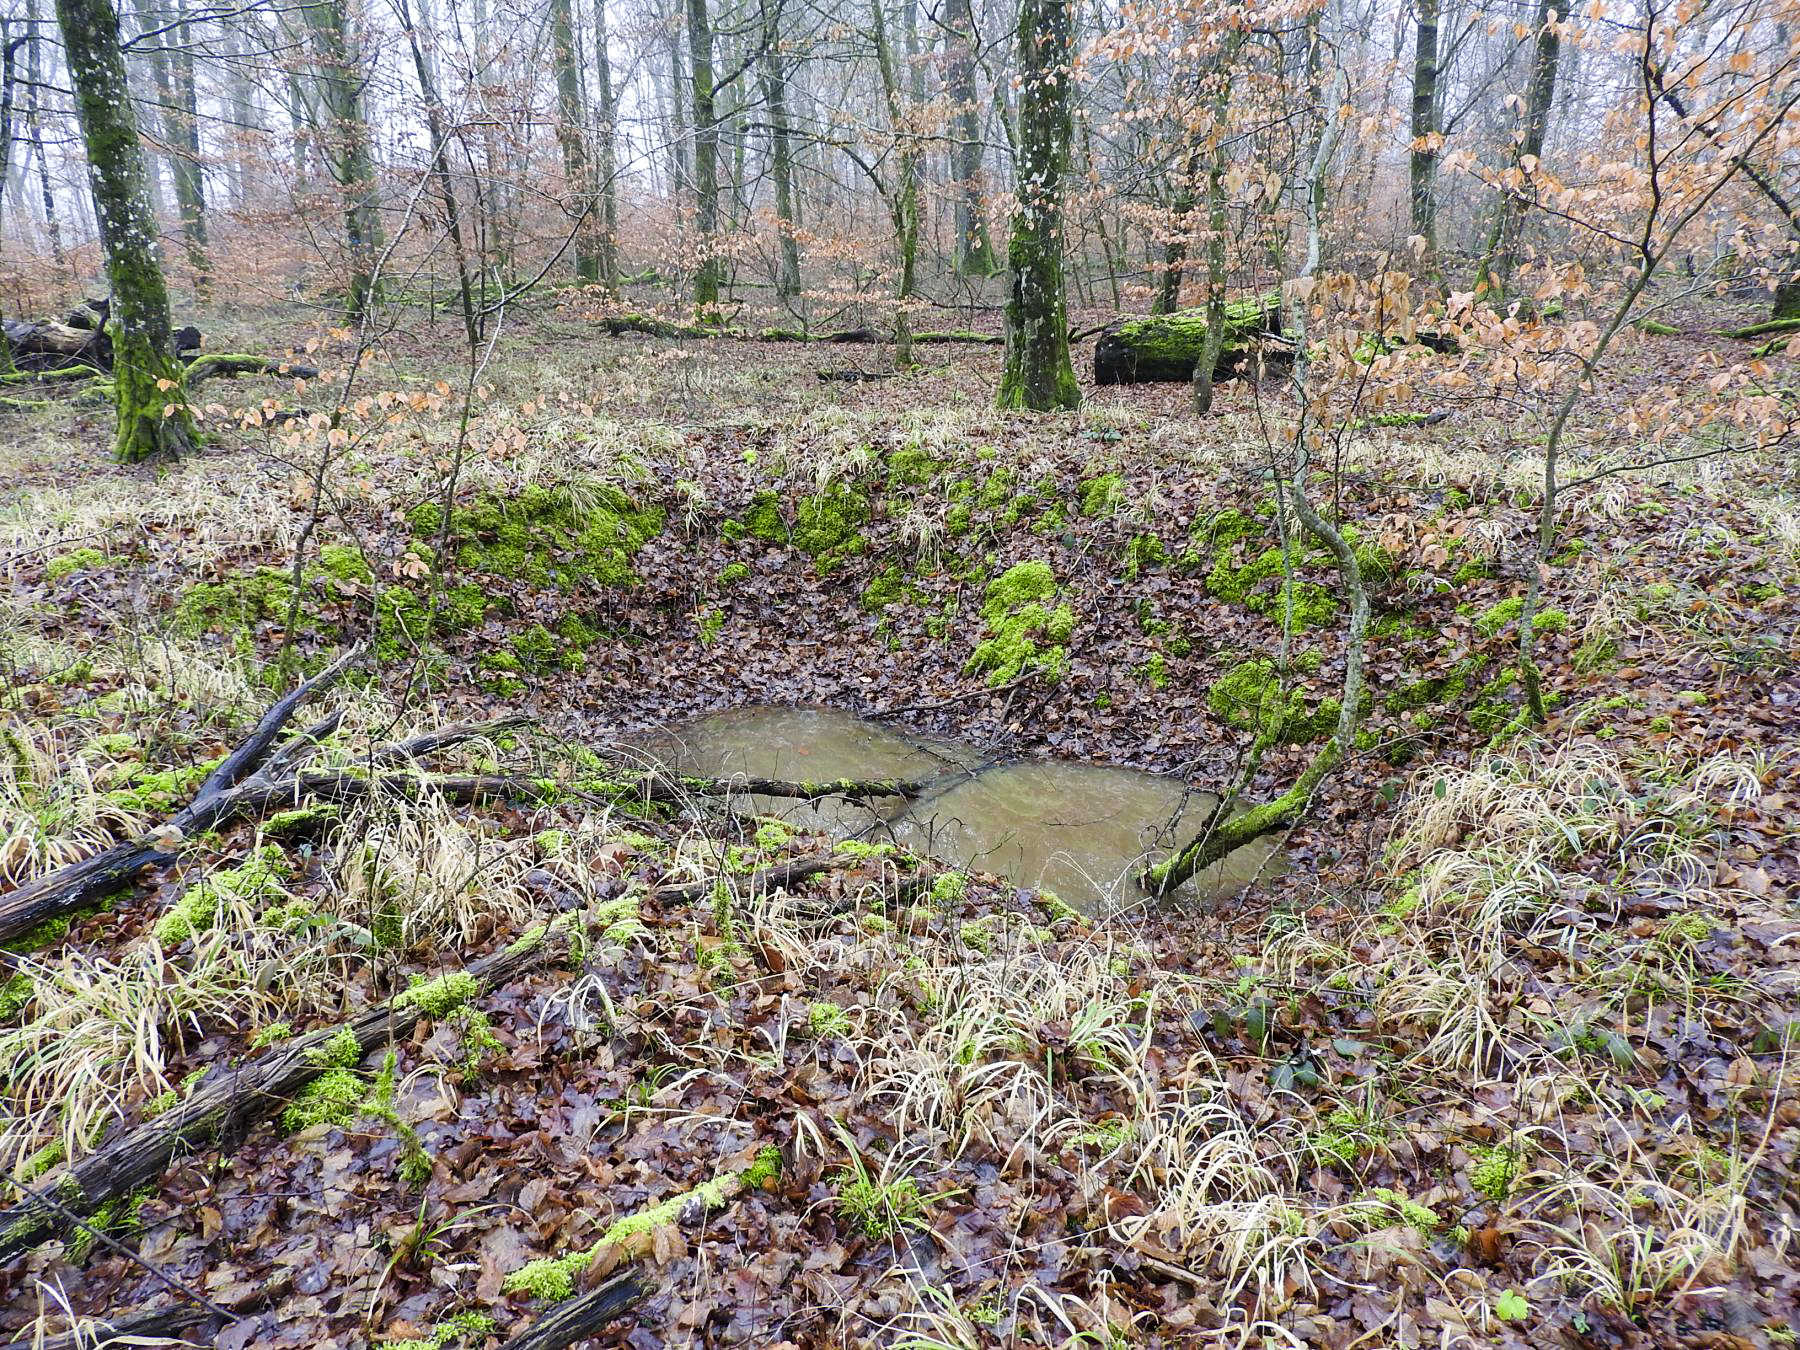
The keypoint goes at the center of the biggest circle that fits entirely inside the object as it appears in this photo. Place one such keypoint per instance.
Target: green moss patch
(67, 564)
(1252, 698)
(570, 535)
(1025, 634)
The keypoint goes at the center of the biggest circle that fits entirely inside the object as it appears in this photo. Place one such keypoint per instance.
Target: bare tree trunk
(1424, 154)
(571, 136)
(903, 202)
(352, 163)
(34, 130)
(1216, 222)
(440, 170)
(781, 156)
(607, 112)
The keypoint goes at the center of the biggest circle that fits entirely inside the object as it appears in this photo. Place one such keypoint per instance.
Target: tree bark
(781, 159)
(152, 414)
(1424, 153)
(709, 273)
(606, 110)
(348, 155)
(1501, 253)
(974, 249)
(1037, 374)
(571, 135)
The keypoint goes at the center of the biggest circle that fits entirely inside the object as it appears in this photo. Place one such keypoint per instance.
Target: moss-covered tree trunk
(974, 250)
(709, 274)
(152, 411)
(1038, 375)
(347, 149)
(571, 136)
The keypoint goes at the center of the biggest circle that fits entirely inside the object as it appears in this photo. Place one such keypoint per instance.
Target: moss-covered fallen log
(205, 367)
(672, 788)
(226, 1103)
(649, 325)
(584, 1317)
(1756, 330)
(1166, 347)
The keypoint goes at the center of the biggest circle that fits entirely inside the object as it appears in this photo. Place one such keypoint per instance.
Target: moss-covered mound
(569, 535)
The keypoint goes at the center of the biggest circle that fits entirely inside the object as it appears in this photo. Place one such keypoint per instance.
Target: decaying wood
(764, 879)
(218, 799)
(648, 325)
(1146, 348)
(229, 1101)
(160, 1323)
(205, 367)
(582, 1317)
(254, 779)
(658, 786)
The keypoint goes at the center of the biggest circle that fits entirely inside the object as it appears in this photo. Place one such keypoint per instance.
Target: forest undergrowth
(1505, 1058)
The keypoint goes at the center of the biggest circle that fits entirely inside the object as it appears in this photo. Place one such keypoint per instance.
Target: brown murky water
(1080, 830)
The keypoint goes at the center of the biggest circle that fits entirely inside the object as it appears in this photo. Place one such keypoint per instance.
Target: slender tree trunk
(1216, 223)
(1038, 374)
(680, 151)
(1424, 154)
(974, 249)
(348, 153)
(781, 161)
(903, 202)
(571, 136)
(607, 111)
(440, 170)
(708, 275)
(34, 130)
(1501, 253)
(190, 177)
(1168, 294)
(152, 413)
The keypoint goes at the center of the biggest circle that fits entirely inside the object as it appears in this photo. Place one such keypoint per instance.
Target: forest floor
(1506, 1057)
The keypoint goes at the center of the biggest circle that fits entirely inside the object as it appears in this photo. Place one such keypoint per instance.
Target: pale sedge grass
(58, 1323)
(53, 808)
(105, 1029)
(406, 862)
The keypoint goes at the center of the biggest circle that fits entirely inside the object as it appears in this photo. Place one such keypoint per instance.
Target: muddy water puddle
(1080, 830)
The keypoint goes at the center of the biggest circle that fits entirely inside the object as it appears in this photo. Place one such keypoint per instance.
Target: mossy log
(227, 1103)
(675, 789)
(1756, 330)
(254, 779)
(650, 326)
(1166, 347)
(205, 367)
(583, 1317)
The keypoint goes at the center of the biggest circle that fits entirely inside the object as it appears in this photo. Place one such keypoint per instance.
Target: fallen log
(129, 1329)
(81, 883)
(205, 367)
(48, 344)
(227, 1103)
(1167, 347)
(583, 1317)
(673, 789)
(648, 325)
